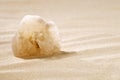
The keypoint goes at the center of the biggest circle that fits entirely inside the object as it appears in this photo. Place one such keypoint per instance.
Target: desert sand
(90, 33)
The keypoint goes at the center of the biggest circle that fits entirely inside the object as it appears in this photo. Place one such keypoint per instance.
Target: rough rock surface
(36, 38)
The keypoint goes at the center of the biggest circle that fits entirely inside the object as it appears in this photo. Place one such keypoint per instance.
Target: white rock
(36, 38)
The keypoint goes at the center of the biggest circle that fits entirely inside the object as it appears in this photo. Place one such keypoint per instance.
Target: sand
(90, 33)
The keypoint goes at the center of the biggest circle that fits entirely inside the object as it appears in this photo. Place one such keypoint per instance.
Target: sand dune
(90, 33)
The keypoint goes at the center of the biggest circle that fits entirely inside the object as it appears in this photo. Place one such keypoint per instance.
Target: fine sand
(90, 33)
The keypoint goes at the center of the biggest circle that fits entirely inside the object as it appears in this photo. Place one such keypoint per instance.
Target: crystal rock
(36, 38)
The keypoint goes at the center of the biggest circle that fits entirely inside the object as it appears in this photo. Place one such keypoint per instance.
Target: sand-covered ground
(90, 33)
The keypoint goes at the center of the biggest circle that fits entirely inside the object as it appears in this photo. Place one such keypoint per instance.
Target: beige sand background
(90, 32)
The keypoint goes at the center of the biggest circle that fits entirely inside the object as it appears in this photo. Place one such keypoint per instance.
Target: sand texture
(90, 33)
